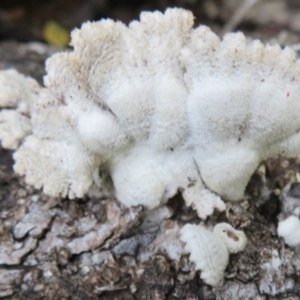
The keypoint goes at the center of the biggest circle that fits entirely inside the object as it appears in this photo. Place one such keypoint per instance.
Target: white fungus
(196, 117)
(162, 108)
(289, 230)
(210, 250)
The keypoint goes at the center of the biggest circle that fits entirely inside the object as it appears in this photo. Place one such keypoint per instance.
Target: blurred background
(32, 30)
(50, 21)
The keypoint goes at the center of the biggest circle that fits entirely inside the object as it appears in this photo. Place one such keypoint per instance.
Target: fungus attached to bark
(159, 106)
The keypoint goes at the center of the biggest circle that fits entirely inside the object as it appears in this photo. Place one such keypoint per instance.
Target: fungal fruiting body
(162, 106)
(210, 249)
(289, 229)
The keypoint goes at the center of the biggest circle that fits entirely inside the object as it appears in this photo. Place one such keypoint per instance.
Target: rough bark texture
(131, 260)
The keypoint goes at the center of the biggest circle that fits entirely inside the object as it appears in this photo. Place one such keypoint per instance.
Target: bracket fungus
(210, 249)
(159, 105)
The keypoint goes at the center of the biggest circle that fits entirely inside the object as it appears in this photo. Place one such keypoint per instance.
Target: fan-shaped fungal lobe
(210, 250)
